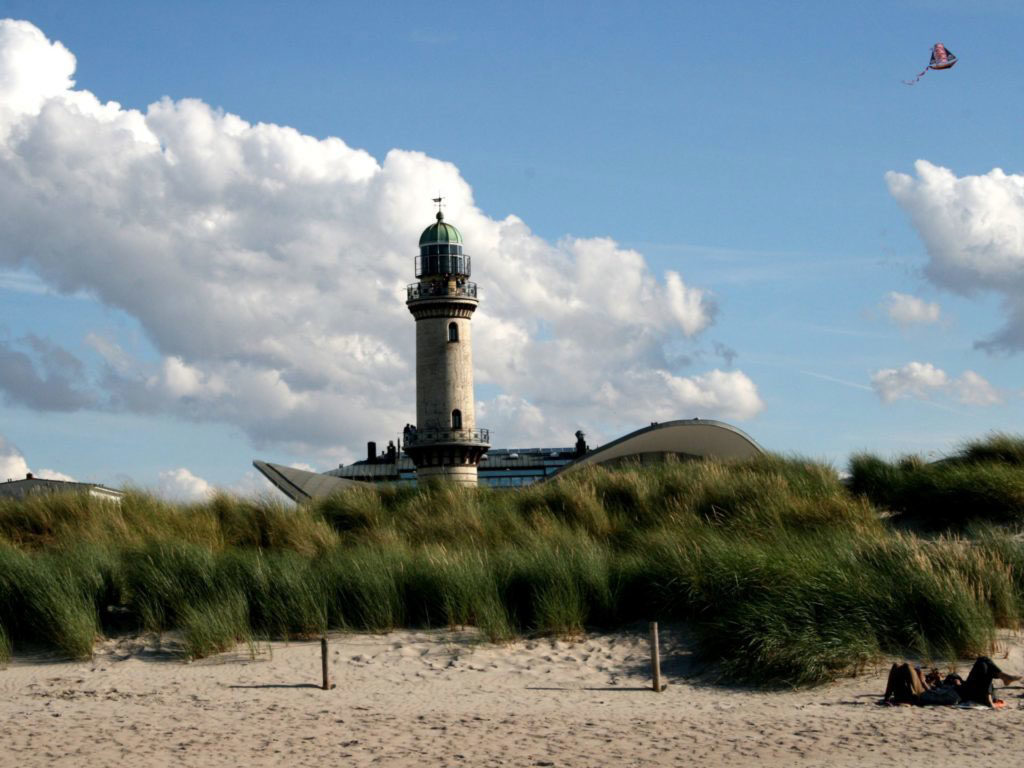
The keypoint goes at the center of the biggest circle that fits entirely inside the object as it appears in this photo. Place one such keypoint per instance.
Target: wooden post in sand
(656, 659)
(323, 663)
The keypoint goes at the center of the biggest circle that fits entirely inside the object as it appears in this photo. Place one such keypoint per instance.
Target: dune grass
(983, 482)
(787, 576)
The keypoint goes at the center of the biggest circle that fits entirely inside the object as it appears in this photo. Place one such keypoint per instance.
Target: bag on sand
(942, 696)
(904, 685)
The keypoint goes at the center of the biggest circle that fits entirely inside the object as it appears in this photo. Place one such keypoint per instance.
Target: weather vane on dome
(438, 200)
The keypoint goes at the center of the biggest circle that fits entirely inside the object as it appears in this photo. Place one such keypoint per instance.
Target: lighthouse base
(461, 474)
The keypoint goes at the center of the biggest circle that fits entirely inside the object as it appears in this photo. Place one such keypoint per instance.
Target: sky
(737, 211)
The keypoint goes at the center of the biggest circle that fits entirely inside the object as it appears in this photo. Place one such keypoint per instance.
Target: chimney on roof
(28, 476)
(581, 443)
(371, 452)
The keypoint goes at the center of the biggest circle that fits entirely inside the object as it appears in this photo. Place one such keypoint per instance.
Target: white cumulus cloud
(906, 310)
(53, 474)
(973, 230)
(921, 380)
(973, 389)
(34, 69)
(182, 485)
(12, 464)
(267, 269)
(912, 380)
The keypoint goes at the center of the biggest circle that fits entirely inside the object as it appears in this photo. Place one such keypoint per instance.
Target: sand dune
(445, 698)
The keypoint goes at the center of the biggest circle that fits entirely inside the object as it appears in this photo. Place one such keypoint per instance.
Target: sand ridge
(446, 698)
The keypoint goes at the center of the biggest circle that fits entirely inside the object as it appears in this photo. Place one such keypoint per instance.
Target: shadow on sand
(277, 685)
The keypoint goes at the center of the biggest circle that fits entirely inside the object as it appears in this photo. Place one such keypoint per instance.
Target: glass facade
(501, 468)
(443, 263)
(505, 481)
(441, 248)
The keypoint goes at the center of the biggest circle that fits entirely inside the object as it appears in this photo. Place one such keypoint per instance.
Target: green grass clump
(215, 626)
(982, 482)
(997, 447)
(786, 575)
(46, 600)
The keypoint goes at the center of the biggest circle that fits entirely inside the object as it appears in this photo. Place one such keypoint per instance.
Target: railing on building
(419, 437)
(441, 289)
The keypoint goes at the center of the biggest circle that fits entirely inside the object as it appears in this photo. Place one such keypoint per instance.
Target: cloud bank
(920, 381)
(973, 230)
(267, 268)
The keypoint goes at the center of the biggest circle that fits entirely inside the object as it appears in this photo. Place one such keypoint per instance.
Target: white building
(35, 486)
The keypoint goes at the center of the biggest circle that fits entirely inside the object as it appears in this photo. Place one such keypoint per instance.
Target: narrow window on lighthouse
(453, 332)
(456, 419)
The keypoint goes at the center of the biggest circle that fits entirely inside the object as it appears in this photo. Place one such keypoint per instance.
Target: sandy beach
(446, 698)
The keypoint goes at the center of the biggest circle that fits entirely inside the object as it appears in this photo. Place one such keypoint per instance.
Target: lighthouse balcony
(441, 289)
(424, 437)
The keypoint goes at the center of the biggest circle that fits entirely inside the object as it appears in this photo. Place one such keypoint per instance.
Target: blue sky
(743, 147)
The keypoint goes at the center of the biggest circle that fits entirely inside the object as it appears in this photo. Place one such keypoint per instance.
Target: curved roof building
(516, 467)
(691, 438)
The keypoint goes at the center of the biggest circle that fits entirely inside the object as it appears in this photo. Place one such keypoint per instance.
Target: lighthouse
(445, 441)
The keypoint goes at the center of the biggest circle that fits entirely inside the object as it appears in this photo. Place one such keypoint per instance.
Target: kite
(942, 58)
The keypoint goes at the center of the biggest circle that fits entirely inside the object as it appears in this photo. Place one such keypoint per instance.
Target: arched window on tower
(456, 419)
(453, 332)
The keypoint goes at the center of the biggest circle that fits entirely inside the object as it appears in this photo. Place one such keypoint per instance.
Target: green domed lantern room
(441, 253)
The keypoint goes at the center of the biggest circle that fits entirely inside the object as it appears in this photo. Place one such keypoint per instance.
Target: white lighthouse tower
(445, 442)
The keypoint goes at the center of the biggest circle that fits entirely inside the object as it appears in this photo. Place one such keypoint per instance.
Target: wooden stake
(323, 662)
(656, 659)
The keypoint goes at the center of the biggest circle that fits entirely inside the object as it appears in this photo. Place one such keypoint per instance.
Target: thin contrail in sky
(844, 382)
(855, 385)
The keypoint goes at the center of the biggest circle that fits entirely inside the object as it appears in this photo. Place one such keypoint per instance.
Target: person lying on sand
(909, 685)
(978, 687)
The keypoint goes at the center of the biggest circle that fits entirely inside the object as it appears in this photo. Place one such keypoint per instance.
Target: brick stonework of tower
(445, 442)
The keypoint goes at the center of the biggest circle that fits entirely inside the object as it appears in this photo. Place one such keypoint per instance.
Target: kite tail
(922, 74)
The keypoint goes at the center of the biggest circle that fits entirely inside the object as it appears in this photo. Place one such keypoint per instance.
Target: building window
(456, 419)
(453, 331)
